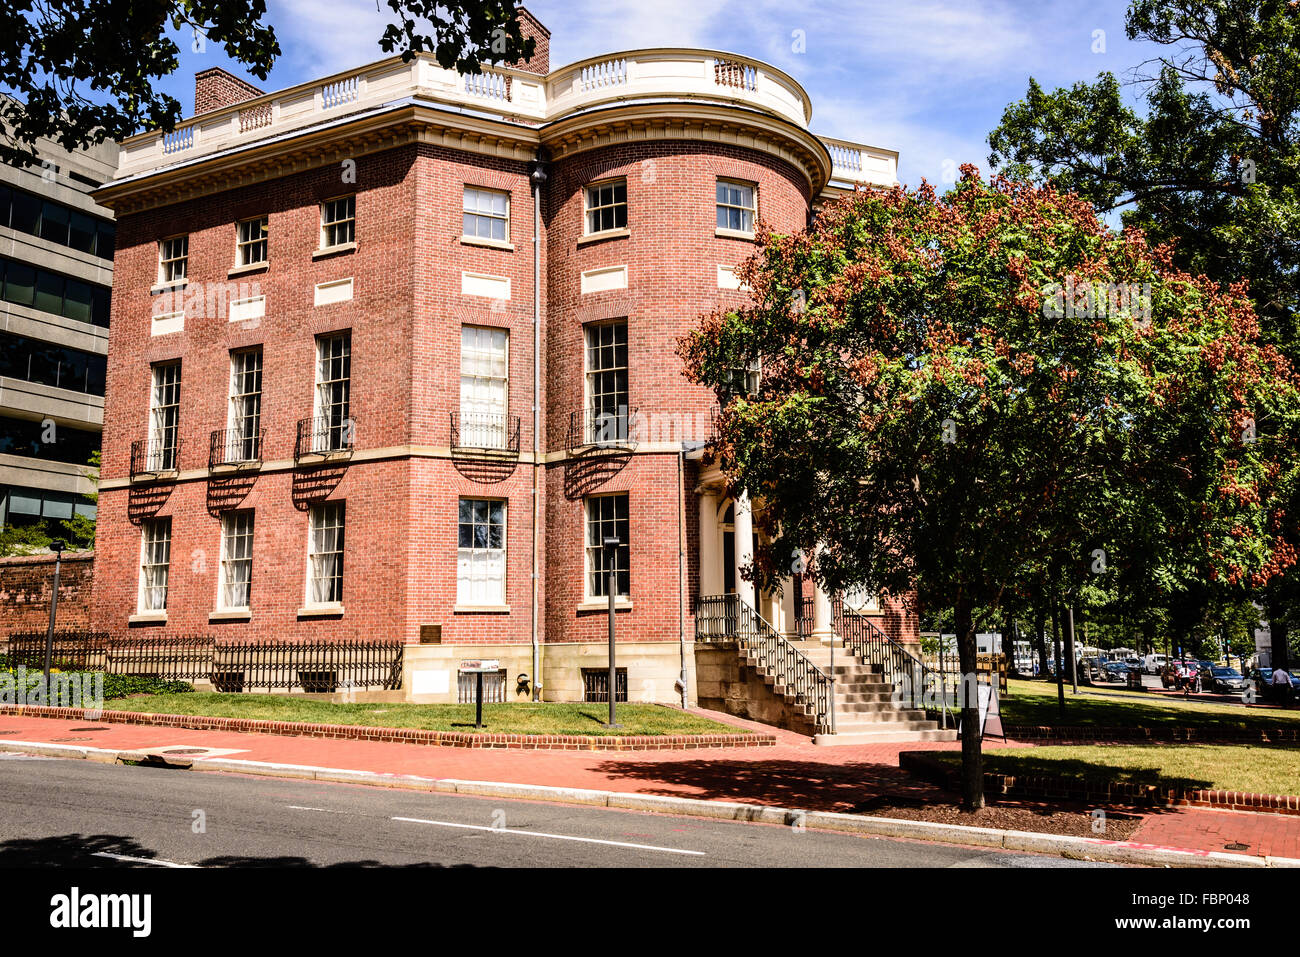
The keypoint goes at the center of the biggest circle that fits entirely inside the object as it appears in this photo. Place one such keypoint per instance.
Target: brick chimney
(215, 88)
(540, 61)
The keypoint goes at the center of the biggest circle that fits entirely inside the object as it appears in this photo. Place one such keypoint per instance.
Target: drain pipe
(537, 175)
(681, 574)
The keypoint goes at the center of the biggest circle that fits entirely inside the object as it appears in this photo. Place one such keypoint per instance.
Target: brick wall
(25, 586)
(540, 61)
(214, 89)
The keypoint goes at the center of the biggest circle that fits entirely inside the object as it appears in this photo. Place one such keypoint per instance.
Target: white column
(710, 553)
(823, 629)
(789, 607)
(744, 526)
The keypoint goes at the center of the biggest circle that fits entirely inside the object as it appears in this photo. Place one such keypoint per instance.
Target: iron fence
(310, 666)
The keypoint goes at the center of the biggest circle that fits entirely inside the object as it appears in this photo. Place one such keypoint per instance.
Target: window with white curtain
(484, 386)
(325, 555)
(155, 562)
(481, 553)
(236, 560)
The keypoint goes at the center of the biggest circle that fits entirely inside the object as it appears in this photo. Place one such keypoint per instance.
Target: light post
(611, 587)
(56, 547)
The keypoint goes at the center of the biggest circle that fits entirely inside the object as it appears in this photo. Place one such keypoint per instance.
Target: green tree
(80, 528)
(83, 71)
(23, 540)
(938, 413)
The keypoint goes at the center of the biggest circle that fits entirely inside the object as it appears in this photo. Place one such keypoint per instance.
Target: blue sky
(928, 78)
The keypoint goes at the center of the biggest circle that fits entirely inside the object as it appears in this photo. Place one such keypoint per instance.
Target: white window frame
(236, 555)
(245, 406)
(724, 204)
(594, 553)
(336, 435)
(484, 387)
(477, 213)
(323, 518)
(173, 260)
(164, 417)
(858, 601)
(596, 424)
(328, 224)
(251, 238)
(592, 191)
(480, 588)
(155, 544)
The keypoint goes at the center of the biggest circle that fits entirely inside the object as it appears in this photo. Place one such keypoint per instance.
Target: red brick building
(393, 350)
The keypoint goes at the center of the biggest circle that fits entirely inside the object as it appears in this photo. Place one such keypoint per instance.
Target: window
(250, 242)
(31, 438)
(484, 380)
(338, 220)
(243, 424)
(606, 206)
(486, 214)
(54, 293)
(325, 555)
(32, 360)
(164, 416)
(481, 553)
(155, 557)
(735, 206)
(236, 560)
(858, 601)
(607, 396)
(56, 223)
(333, 428)
(173, 259)
(607, 517)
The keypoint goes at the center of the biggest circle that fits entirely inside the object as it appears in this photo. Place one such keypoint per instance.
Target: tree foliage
(83, 71)
(957, 394)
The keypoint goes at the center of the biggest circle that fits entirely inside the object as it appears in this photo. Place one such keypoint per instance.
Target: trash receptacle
(1135, 679)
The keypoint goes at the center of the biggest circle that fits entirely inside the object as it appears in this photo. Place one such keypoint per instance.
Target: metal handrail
(727, 618)
(156, 457)
(868, 642)
(597, 430)
(324, 437)
(487, 433)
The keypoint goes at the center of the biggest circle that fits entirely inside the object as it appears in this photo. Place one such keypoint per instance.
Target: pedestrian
(1282, 686)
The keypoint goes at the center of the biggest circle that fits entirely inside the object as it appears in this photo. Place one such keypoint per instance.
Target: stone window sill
(320, 611)
(603, 235)
(334, 250)
(487, 243)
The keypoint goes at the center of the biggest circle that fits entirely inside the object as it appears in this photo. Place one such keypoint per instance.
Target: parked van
(1152, 664)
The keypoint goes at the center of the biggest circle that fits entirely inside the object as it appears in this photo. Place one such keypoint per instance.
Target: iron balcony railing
(609, 430)
(916, 685)
(725, 618)
(324, 438)
(235, 448)
(485, 433)
(156, 457)
(310, 666)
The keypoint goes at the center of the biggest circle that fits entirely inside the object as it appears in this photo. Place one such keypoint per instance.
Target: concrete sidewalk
(793, 774)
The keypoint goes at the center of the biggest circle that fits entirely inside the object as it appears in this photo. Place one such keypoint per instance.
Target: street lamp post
(611, 587)
(57, 548)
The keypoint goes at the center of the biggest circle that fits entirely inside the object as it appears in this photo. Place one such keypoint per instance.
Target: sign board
(987, 705)
(480, 666)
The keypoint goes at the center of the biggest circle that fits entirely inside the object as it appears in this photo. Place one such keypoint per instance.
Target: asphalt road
(57, 812)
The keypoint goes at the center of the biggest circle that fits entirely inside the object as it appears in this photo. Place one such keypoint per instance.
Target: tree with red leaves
(960, 391)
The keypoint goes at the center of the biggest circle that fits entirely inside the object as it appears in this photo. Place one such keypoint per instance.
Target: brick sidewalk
(793, 773)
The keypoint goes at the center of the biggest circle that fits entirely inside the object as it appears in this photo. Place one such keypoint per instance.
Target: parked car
(1180, 674)
(1264, 687)
(1117, 670)
(1152, 664)
(1220, 679)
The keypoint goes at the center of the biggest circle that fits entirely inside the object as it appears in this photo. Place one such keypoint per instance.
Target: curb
(445, 739)
(1078, 848)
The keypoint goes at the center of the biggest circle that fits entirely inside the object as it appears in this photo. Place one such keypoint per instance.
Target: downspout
(681, 574)
(538, 176)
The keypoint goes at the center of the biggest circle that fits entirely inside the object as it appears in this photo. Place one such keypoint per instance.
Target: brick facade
(25, 587)
(413, 276)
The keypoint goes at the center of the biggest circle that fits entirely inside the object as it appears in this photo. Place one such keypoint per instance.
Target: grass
(1034, 703)
(522, 718)
(1262, 769)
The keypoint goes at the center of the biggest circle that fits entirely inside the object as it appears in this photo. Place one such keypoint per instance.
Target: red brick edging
(445, 739)
(1039, 732)
(926, 767)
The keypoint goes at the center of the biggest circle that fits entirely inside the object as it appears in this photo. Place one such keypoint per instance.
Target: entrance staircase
(856, 690)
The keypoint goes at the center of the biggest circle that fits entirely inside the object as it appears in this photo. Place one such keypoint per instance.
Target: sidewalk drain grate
(1236, 846)
(186, 751)
(83, 729)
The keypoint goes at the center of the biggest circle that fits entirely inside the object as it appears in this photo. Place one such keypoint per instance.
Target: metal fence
(311, 666)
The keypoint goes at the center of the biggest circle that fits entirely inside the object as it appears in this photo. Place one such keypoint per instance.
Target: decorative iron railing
(235, 448)
(485, 433)
(720, 618)
(324, 437)
(916, 685)
(156, 457)
(311, 666)
(612, 430)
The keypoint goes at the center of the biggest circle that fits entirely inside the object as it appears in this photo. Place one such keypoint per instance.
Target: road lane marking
(556, 837)
(156, 862)
(299, 807)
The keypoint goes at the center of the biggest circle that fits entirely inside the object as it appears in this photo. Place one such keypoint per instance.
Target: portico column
(744, 531)
(710, 544)
(823, 629)
(789, 619)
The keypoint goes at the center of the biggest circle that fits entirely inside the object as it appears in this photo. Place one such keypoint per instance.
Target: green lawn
(1034, 702)
(523, 718)
(1263, 769)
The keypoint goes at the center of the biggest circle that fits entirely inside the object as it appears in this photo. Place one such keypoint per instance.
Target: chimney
(215, 89)
(540, 61)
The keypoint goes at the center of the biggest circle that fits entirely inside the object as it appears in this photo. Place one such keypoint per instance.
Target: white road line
(299, 807)
(140, 860)
(557, 837)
